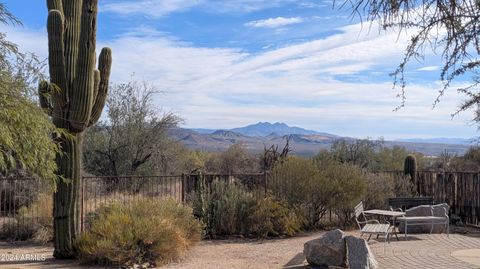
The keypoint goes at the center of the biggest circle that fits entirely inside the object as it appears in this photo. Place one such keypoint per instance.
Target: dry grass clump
(148, 231)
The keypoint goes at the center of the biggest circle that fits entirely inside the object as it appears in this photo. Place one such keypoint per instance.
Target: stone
(424, 210)
(359, 255)
(327, 250)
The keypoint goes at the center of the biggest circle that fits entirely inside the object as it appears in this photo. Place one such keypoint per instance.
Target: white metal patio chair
(371, 227)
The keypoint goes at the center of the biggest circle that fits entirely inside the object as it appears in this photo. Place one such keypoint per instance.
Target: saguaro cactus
(410, 167)
(74, 98)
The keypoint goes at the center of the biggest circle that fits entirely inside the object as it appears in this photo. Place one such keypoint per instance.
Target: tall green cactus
(410, 167)
(74, 98)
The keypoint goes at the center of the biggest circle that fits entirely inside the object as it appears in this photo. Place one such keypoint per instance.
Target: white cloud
(429, 68)
(154, 8)
(274, 22)
(159, 8)
(297, 84)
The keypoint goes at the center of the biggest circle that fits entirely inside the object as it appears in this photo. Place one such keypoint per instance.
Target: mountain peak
(264, 129)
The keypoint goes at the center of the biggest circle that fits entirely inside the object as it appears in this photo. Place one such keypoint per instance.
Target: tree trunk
(66, 211)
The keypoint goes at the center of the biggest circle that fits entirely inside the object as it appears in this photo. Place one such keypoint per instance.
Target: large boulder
(359, 255)
(327, 250)
(424, 210)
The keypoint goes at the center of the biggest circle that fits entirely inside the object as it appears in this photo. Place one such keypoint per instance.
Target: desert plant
(223, 208)
(74, 99)
(410, 167)
(148, 231)
(301, 184)
(348, 186)
(272, 218)
(382, 186)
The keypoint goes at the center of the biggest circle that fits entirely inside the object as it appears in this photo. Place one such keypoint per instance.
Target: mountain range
(303, 142)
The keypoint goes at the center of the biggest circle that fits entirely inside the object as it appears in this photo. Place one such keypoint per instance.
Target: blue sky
(224, 64)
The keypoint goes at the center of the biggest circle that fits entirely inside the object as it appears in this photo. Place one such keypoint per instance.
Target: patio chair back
(358, 212)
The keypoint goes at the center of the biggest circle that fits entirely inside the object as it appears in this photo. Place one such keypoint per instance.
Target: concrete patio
(429, 251)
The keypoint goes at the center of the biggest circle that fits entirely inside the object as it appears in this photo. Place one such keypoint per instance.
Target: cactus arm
(55, 4)
(45, 97)
(104, 67)
(96, 82)
(55, 26)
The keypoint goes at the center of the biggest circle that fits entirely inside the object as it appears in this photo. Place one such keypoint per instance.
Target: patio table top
(385, 213)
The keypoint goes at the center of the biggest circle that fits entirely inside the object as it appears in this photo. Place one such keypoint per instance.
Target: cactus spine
(410, 167)
(74, 98)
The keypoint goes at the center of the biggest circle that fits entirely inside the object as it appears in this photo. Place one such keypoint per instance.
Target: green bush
(271, 218)
(223, 208)
(301, 184)
(228, 209)
(145, 231)
(348, 186)
(382, 186)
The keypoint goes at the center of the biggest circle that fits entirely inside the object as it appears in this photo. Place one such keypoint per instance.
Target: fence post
(82, 182)
(265, 179)
(183, 187)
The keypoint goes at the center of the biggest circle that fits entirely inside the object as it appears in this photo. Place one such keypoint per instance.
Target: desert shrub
(379, 189)
(301, 184)
(403, 186)
(272, 218)
(381, 186)
(223, 208)
(229, 209)
(34, 221)
(347, 187)
(144, 231)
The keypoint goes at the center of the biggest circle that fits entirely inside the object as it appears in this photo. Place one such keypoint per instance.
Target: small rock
(359, 255)
(327, 250)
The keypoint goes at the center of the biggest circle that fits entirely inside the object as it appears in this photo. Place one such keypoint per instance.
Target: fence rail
(16, 196)
(19, 198)
(20, 208)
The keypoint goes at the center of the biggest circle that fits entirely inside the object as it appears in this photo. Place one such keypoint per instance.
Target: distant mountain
(441, 140)
(264, 129)
(302, 142)
(204, 131)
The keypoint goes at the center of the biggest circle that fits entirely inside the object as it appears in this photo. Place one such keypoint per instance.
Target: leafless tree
(448, 27)
(134, 135)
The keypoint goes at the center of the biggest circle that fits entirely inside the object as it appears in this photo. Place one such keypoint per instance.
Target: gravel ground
(252, 254)
(420, 251)
(218, 254)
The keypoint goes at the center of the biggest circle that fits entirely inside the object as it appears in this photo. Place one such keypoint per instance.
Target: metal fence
(23, 200)
(19, 204)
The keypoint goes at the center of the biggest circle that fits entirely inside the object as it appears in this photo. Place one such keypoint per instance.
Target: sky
(228, 63)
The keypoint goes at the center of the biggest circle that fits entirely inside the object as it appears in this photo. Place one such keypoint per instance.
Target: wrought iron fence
(20, 209)
(19, 205)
